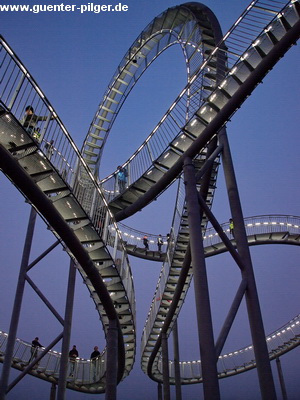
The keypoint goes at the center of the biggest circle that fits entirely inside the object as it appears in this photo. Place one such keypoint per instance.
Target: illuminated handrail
(84, 373)
(244, 60)
(279, 342)
(200, 86)
(18, 90)
(177, 25)
(257, 225)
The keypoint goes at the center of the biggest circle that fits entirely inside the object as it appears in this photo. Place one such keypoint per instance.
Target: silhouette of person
(122, 178)
(73, 354)
(30, 120)
(231, 227)
(146, 243)
(94, 358)
(160, 242)
(35, 344)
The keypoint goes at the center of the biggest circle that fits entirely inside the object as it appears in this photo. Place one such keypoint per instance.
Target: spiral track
(62, 184)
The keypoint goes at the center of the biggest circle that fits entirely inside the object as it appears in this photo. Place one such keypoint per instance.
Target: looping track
(62, 183)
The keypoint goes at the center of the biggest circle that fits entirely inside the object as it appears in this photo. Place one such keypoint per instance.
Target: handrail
(201, 84)
(180, 25)
(245, 62)
(85, 374)
(279, 229)
(18, 90)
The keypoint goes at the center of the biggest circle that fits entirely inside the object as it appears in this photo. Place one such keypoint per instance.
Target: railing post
(115, 245)
(45, 126)
(17, 306)
(13, 98)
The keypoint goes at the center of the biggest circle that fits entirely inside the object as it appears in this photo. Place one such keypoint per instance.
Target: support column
(17, 306)
(176, 361)
(254, 313)
(281, 379)
(53, 391)
(203, 312)
(165, 366)
(64, 361)
(159, 391)
(112, 361)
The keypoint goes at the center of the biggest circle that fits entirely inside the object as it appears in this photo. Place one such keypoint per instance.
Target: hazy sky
(73, 57)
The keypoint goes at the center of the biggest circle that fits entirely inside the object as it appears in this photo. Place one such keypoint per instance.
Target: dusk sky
(73, 57)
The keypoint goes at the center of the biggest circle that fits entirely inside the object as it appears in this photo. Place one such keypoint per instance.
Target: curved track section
(48, 173)
(254, 60)
(57, 180)
(195, 28)
(264, 229)
(273, 229)
(239, 65)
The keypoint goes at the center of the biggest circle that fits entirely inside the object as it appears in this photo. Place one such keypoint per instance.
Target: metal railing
(236, 45)
(263, 17)
(80, 372)
(260, 224)
(279, 342)
(18, 92)
(177, 25)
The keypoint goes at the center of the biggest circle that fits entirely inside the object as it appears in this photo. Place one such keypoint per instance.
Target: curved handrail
(182, 25)
(62, 174)
(86, 376)
(222, 102)
(133, 238)
(241, 360)
(263, 229)
(202, 82)
(251, 66)
(279, 229)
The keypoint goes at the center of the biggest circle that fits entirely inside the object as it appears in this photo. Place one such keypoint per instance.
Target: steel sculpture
(63, 186)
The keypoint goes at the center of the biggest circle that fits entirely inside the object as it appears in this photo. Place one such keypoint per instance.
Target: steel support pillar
(159, 391)
(64, 360)
(17, 306)
(176, 361)
(112, 360)
(281, 379)
(53, 391)
(253, 307)
(203, 312)
(165, 366)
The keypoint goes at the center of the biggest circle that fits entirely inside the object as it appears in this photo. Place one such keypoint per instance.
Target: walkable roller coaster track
(84, 212)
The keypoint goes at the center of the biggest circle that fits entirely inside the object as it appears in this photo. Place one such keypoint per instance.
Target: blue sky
(73, 57)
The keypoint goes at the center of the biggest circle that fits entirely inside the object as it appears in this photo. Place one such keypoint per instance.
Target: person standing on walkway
(73, 354)
(95, 362)
(231, 227)
(160, 242)
(35, 344)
